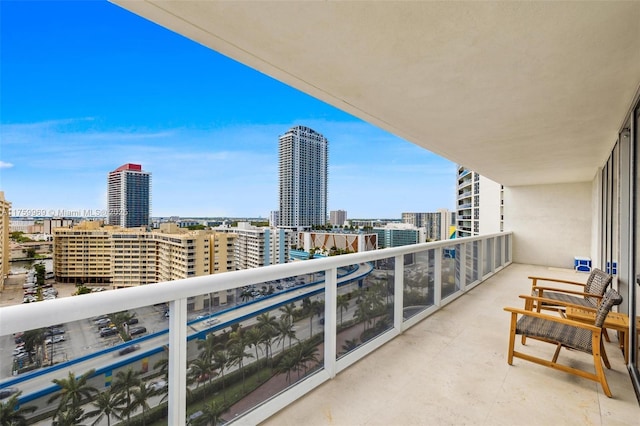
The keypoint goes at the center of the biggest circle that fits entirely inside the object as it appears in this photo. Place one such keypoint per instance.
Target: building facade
(129, 196)
(303, 161)
(330, 242)
(130, 257)
(399, 234)
(337, 217)
(436, 224)
(5, 249)
(479, 204)
(258, 246)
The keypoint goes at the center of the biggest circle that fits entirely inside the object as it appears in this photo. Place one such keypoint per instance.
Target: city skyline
(87, 87)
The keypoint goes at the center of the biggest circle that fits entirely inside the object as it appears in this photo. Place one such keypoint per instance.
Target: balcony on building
(543, 98)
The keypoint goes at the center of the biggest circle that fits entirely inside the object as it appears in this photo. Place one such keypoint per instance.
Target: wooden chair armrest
(561, 290)
(554, 318)
(555, 280)
(555, 302)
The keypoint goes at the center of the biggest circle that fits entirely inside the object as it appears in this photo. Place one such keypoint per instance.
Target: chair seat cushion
(572, 337)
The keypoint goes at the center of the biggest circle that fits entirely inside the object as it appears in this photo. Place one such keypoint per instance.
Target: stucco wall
(551, 223)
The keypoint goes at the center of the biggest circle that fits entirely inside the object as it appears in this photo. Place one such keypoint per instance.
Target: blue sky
(87, 86)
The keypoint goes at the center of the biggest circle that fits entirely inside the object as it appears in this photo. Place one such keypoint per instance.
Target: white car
(158, 385)
(212, 321)
(54, 339)
(17, 351)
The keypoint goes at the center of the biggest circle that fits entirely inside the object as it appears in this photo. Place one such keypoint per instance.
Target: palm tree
(221, 360)
(316, 308)
(120, 318)
(288, 310)
(236, 351)
(71, 416)
(125, 382)
(212, 413)
(33, 341)
(141, 396)
(11, 415)
(72, 391)
(267, 325)
(285, 329)
(107, 404)
(287, 364)
(209, 345)
(342, 303)
(350, 345)
(253, 337)
(202, 368)
(307, 352)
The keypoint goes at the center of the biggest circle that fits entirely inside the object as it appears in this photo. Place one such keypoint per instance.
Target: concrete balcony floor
(451, 369)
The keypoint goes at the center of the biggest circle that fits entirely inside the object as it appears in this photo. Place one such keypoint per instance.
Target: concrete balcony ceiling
(522, 92)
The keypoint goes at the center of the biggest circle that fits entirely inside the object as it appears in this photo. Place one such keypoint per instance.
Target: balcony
(438, 333)
(451, 368)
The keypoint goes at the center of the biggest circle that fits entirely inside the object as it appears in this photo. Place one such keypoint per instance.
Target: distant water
(21, 266)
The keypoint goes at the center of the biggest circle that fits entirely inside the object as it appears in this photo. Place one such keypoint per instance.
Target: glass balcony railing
(174, 355)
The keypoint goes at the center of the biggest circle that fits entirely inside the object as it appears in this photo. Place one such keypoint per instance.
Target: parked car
(133, 331)
(54, 339)
(102, 322)
(18, 351)
(53, 331)
(108, 331)
(132, 321)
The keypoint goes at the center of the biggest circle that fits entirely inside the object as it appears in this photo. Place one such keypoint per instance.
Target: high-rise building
(5, 250)
(436, 224)
(274, 218)
(129, 196)
(337, 217)
(303, 159)
(479, 204)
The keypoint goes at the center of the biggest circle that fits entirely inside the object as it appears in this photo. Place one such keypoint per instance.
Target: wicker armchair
(563, 332)
(586, 295)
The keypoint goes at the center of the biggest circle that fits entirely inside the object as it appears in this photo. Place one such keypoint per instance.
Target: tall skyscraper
(303, 154)
(129, 195)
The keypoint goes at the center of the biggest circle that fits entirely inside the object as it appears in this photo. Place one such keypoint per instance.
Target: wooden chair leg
(557, 352)
(597, 361)
(512, 338)
(603, 352)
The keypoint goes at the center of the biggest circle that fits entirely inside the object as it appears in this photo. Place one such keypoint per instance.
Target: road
(86, 351)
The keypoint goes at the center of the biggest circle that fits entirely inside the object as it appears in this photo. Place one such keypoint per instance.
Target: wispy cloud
(5, 165)
(231, 170)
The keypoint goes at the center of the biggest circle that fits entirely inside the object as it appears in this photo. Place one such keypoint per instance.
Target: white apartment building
(259, 246)
(303, 161)
(479, 204)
